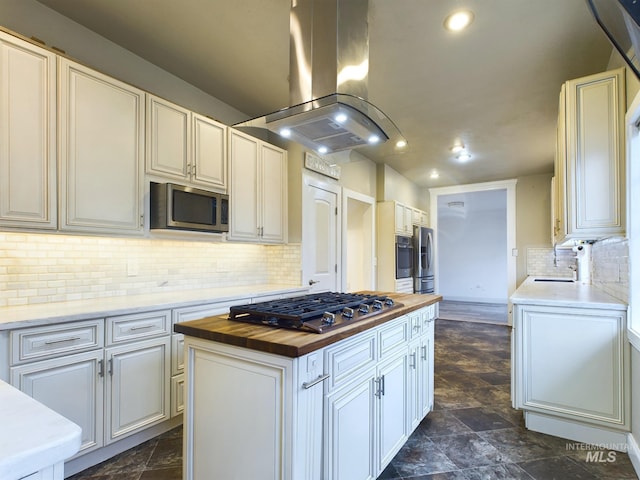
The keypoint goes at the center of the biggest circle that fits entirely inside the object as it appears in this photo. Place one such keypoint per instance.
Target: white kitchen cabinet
(101, 146)
(73, 386)
(419, 218)
(185, 146)
(258, 190)
(403, 219)
(571, 372)
(27, 135)
(590, 161)
(137, 390)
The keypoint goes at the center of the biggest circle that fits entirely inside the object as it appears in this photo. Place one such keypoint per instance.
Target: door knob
(311, 282)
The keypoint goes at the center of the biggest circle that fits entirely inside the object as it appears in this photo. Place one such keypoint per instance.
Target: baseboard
(481, 301)
(634, 453)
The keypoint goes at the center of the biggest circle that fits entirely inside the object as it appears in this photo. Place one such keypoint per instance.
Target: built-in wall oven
(404, 257)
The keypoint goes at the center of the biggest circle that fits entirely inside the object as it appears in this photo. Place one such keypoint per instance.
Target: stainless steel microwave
(176, 207)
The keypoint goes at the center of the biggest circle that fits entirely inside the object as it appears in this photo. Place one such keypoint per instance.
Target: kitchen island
(273, 403)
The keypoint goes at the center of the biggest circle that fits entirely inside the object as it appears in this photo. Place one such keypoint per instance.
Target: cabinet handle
(424, 352)
(101, 368)
(413, 361)
(378, 392)
(321, 378)
(193, 171)
(110, 369)
(62, 340)
(382, 385)
(141, 327)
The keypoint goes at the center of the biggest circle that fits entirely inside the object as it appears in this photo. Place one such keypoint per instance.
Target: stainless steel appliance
(423, 278)
(176, 207)
(404, 257)
(317, 312)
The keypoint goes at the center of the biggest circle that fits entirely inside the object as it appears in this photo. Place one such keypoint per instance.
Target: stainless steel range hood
(329, 67)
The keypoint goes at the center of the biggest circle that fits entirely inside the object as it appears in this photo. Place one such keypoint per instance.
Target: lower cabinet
(137, 387)
(72, 386)
(583, 350)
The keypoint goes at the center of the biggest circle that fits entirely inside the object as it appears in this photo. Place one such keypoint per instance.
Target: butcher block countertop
(295, 343)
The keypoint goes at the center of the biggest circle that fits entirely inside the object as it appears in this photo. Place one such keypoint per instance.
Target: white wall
(472, 241)
(394, 186)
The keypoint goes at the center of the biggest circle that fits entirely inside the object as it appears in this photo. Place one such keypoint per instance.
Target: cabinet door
(392, 409)
(584, 351)
(399, 218)
(349, 442)
(243, 166)
(559, 194)
(71, 386)
(138, 390)
(595, 155)
(415, 386)
(168, 139)
(273, 181)
(101, 147)
(27, 135)
(426, 370)
(209, 153)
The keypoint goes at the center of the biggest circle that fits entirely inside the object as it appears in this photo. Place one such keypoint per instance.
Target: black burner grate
(293, 312)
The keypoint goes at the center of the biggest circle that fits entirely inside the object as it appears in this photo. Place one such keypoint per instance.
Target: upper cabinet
(27, 135)
(258, 190)
(590, 163)
(185, 146)
(101, 152)
(403, 219)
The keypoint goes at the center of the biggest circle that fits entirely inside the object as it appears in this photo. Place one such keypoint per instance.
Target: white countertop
(32, 436)
(564, 294)
(49, 313)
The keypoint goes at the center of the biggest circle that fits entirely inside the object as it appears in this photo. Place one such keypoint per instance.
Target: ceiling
(494, 86)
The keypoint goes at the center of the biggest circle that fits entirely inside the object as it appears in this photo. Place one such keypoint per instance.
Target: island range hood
(329, 67)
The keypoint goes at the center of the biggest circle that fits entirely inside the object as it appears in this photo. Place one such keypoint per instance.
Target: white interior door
(320, 235)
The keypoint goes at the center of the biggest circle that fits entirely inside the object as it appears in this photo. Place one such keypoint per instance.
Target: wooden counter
(294, 343)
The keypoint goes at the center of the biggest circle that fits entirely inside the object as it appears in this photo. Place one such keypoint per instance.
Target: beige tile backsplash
(609, 265)
(39, 268)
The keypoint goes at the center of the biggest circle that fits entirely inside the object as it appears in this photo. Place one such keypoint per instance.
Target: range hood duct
(328, 81)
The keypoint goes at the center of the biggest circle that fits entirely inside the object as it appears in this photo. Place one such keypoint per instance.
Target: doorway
(475, 250)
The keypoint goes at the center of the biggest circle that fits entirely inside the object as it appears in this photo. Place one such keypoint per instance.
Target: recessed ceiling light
(401, 143)
(458, 147)
(458, 20)
(285, 132)
(463, 157)
(435, 174)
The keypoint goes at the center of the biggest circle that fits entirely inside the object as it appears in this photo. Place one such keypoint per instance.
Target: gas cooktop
(316, 312)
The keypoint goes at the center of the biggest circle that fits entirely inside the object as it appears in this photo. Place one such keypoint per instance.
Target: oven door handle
(321, 378)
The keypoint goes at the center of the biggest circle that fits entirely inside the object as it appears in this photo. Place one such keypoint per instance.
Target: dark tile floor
(472, 433)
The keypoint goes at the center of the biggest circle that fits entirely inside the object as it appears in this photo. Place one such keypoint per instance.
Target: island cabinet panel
(251, 404)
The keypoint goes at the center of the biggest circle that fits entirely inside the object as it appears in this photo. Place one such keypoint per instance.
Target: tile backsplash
(609, 265)
(39, 268)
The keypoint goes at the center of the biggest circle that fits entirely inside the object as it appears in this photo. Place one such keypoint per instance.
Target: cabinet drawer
(39, 343)
(393, 336)
(137, 326)
(427, 315)
(347, 359)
